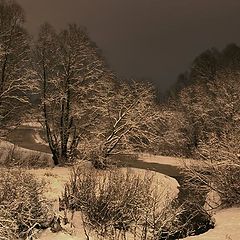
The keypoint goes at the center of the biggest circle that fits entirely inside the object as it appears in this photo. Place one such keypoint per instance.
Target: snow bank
(227, 226)
(172, 161)
(7, 149)
(55, 179)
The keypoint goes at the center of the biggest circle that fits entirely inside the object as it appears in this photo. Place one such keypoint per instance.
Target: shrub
(22, 207)
(18, 157)
(114, 203)
(222, 159)
(8, 226)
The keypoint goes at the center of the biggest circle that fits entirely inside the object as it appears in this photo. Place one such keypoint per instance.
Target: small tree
(172, 139)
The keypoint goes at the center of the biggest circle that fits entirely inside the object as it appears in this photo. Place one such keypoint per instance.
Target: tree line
(88, 113)
(85, 110)
(62, 80)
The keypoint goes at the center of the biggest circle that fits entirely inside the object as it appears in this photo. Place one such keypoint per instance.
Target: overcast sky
(150, 39)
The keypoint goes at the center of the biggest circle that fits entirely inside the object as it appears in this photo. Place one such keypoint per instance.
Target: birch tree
(16, 77)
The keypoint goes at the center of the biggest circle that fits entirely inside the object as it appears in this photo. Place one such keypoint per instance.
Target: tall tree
(16, 77)
(68, 64)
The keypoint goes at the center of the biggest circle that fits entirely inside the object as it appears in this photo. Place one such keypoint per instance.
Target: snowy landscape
(227, 220)
(86, 154)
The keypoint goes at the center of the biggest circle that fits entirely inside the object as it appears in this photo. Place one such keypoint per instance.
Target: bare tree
(217, 114)
(16, 77)
(68, 64)
(127, 123)
(172, 139)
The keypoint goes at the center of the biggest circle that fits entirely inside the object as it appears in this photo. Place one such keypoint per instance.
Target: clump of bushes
(222, 159)
(8, 226)
(22, 206)
(17, 157)
(115, 203)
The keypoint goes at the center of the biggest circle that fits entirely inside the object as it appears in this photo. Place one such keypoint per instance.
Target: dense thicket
(208, 101)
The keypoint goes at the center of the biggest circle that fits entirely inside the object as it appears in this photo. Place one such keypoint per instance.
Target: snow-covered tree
(215, 110)
(210, 107)
(16, 77)
(127, 123)
(68, 66)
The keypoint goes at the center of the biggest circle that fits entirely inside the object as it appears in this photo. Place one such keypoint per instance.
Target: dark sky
(146, 39)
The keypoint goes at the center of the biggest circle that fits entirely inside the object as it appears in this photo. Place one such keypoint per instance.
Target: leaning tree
(127, 123)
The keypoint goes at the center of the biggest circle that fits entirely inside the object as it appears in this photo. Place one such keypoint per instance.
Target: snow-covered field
(227, 226)
(55, 178)
(149, 158)
(227, 220)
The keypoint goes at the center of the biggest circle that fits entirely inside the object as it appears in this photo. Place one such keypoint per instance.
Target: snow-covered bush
(115, 203)
(14, 156)
(22, 206)
(222, 161)
(8, 226)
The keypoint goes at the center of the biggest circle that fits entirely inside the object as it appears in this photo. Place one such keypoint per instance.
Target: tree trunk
(55, 159)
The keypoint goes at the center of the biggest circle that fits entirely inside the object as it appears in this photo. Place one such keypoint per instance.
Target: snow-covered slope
(227, 226)
(55, 178)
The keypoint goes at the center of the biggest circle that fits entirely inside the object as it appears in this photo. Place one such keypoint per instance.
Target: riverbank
(55, 179)
(227, 220)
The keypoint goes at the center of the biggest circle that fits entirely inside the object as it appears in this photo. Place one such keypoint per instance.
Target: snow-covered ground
(150, 158)
(55, 178)
(227, 220)
(227, 226)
